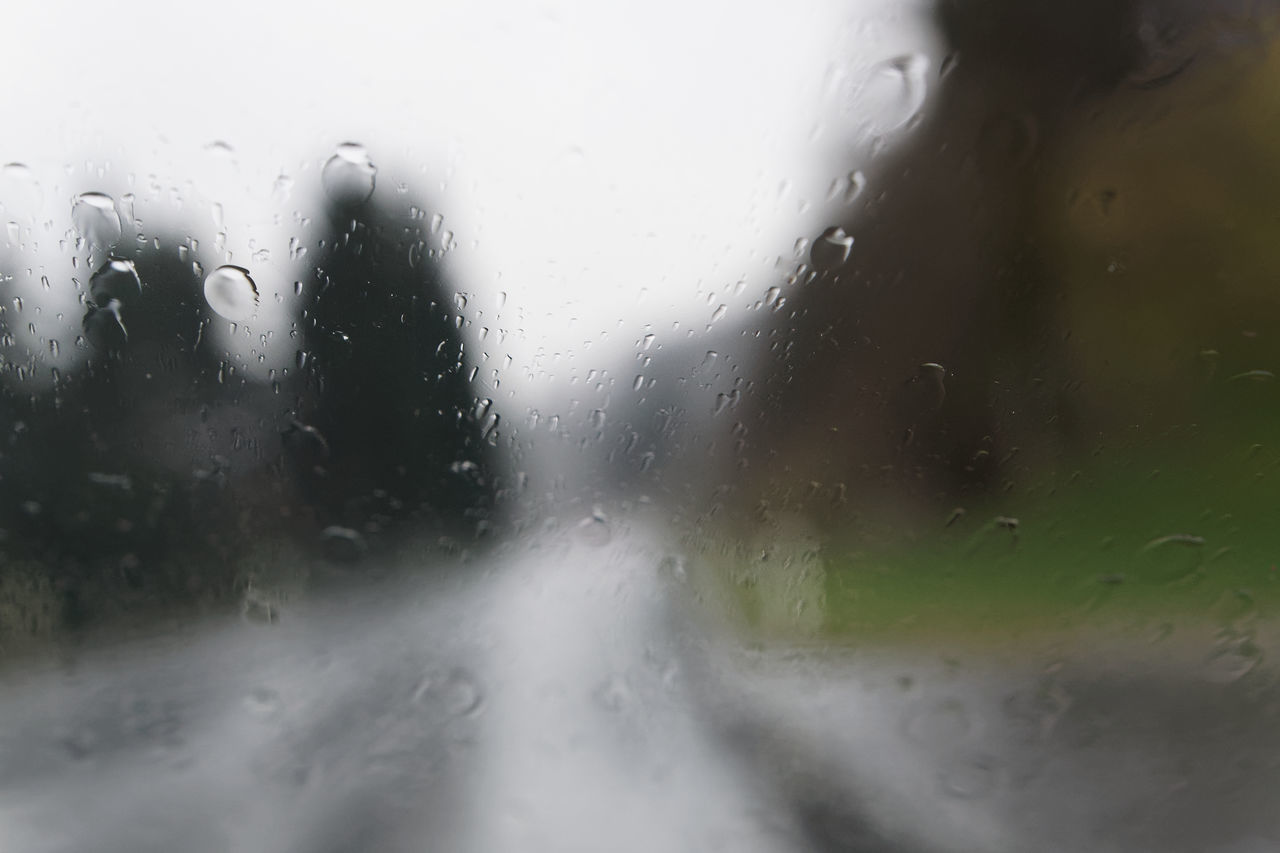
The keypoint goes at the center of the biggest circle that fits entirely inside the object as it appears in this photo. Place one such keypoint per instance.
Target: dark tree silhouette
(146, 477)
(931, 361)
(391, 404)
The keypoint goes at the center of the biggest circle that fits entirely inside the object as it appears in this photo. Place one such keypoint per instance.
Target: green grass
(1184, 527)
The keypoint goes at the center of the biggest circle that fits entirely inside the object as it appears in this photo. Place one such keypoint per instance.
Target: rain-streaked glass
(651, 427)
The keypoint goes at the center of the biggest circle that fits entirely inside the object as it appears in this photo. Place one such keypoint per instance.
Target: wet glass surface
(640, 428)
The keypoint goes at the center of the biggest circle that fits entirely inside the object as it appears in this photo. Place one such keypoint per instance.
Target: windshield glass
(647, 427)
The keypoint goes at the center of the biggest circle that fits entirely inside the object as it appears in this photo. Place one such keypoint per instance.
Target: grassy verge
(1187, 527)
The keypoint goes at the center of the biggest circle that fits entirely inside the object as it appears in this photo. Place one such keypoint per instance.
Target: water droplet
(675, 566)
(96, 220)
(1253, 376)
(342, 544)
(231, 293)
(305, 447)
(220, 148)
(1033, 712)
(1164, 54)
(933, 375)
(1186, 539)
(489, 428)
(113, 481)
(457, 692)
(461, 694)
(893, 93)
(594, 530)
(116, 279)
(1232, 660)
(970, 778)
(1006, 522)
(282, 188)
(1171, 558)
(349, 176)
(831, 250)
(20, 193)
(857, 183)
(104, 327)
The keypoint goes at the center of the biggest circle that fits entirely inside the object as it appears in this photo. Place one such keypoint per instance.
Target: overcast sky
(607, 167)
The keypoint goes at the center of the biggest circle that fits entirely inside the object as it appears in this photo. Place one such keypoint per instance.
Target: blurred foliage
(1158, 214)
(1156, 226)
(156, 483)
(1182, 528)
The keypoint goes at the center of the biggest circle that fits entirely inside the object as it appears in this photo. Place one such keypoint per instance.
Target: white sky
(608, 166)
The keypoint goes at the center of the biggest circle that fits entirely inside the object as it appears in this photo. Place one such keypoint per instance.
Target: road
(569, 693)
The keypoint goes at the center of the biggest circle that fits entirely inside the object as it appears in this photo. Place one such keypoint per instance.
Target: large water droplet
(1232, 660)
(831, 250)
(456, 692)
(343, 545)
(349, 176)
(96, 220)
(1164, 53)
(116, 279)
(893, 93)
(461, 694)
(104, 327)
(1170, 558)
(231, 293)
